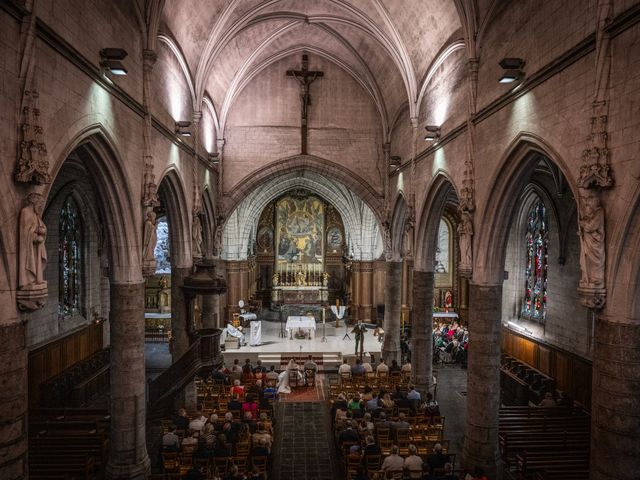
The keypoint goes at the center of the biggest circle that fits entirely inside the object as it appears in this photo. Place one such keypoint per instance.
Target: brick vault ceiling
(389, 46)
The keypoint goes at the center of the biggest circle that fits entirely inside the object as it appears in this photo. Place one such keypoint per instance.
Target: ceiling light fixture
(214, 158)
(512, 70)
(433, 133)
(182, 128)
(394, 161)
(111, 61)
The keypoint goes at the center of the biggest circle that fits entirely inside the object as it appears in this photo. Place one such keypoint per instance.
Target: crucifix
(305, 77)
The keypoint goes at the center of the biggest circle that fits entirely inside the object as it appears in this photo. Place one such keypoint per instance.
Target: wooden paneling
(571, 372)
(51, 359)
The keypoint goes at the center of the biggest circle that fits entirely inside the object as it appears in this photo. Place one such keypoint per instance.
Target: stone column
(392, 304)
(179, 312)
(356, 273)
(615, 404)
(234, 288)
(13, 400)
(421, 330)
(483, 379)
(366, 292)
(128, 457)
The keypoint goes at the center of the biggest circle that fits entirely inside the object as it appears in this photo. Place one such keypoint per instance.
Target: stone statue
(465, 231)
(32, 287)
(591, 231)
(386, 237)
(217, 241)
(33, 252)
(407, 239)
(196, 236)
(301, 278)
(325, 279)
(149, 244)
(275, 279)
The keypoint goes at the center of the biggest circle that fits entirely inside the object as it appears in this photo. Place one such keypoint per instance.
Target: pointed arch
(440, 191)
(98, 154)
(512, 174)
(172, 195)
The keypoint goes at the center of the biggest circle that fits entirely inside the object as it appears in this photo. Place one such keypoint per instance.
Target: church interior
(447, 190)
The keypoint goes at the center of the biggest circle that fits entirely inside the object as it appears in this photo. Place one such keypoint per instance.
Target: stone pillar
(615, 417)
(392, 304)
(483, 379)
(234, 285)
(356, 273)
(378, 289)
(13, 401)
(422, 330)
(128, 457)
(179, 312)
(366, 292)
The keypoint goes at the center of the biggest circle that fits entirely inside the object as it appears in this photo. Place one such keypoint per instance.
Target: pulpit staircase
(203, 355)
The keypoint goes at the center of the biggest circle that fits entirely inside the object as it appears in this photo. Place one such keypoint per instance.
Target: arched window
(535, 297)
(442, 250)
(70, 257)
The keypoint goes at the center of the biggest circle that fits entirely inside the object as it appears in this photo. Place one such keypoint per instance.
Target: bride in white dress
(283, 378)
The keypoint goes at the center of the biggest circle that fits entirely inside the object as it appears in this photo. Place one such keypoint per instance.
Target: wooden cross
(305, 77)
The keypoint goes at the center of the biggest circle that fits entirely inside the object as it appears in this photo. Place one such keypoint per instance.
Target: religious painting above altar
(299, 230)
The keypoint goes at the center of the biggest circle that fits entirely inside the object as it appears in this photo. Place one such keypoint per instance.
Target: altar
(294, 322)
(302, 294)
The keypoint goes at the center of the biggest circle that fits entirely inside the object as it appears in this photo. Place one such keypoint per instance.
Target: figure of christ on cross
(305, 77)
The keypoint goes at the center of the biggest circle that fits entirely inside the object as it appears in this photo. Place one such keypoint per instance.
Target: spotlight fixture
(433, 133)
(111, 61)
(512, 70)
(395, 161)
(214, 159)
(182, 128)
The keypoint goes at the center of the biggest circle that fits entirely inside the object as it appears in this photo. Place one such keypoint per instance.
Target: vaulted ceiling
(389, 46)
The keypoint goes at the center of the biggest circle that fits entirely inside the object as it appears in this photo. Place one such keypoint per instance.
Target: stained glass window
(442, 250)
(70, 254)
(535, 297)
(161, 252)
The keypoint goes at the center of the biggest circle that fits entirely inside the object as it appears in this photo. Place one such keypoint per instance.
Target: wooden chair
(293, 379)
(310, 378)
(373, 462)
(221, 465)
(260, 463)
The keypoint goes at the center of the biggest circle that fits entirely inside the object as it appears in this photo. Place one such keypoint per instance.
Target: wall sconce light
(433, 133)
(512, 70)
(394, 161)
(214, 159)
(111, 61)
(182, 128)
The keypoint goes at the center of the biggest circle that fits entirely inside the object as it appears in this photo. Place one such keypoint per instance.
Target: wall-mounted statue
(150, 239)
(196, 237)
(32, 287)
(465, 231)
(592, 234)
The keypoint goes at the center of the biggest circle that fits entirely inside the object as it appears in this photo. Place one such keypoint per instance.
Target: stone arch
(624, 265)
(172, 195)
(440, 192)
(362, 224)
(96, 152)
(302, 164)
(514, 171)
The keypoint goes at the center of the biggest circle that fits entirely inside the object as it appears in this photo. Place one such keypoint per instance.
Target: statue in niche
(275, 279)
(164, 295)
(217, 241)
(301, 278)
(591, 232)
(407, 239)
(33, 254)
(32, 287)
(196, 236)
(325, 279)
(465, 231)
(149, 244)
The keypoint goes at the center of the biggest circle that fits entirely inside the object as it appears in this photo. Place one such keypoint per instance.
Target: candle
(322, 314)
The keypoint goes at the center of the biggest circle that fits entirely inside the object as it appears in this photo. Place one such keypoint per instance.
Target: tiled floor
(304, 448)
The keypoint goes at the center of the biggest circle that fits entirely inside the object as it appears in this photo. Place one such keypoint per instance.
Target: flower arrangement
(300, 334)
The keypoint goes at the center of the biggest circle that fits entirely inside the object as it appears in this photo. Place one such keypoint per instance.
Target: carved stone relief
(32, 287)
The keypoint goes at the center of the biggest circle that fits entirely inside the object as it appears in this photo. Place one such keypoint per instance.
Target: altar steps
(327, 362)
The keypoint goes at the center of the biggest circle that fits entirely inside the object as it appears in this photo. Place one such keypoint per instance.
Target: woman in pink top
(251, 406)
